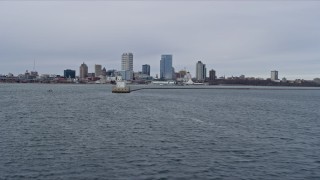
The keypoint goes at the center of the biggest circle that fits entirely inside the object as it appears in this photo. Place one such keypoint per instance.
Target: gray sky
(232, 37)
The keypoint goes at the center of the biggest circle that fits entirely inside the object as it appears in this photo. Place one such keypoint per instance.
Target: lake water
(86, 132)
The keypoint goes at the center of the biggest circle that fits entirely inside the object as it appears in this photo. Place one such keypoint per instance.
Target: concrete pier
(120, 89)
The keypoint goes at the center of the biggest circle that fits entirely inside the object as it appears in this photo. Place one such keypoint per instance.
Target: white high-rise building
(274, 75)
(97, 70)
(127, 62)
(201, 71)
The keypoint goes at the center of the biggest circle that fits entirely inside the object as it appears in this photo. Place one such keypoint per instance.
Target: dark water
(86, 132)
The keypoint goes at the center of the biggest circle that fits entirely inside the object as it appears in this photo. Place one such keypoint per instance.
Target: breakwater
(137, 88)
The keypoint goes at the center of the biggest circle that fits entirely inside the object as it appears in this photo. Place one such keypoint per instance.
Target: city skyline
(234, 38)
(84, 70)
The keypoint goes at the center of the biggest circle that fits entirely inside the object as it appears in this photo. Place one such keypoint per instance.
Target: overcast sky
(231, 37)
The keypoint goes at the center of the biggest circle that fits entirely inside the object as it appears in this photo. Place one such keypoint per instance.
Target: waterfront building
(97, 70)
(140, 77)
(26, 74)
(111, 73)
(181, 76)
(127, 62)
(182, 73)
(68, 73)
(212, 75)
(126, 75)
(174, 74)
(104, 72)
(91, 75)
(201, 71)
(146, 69)
(83, 71)
(166, 67)
(274, 75)
(188, 79)
(34, 73)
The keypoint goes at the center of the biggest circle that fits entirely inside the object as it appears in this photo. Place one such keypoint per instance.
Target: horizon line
(162, 0)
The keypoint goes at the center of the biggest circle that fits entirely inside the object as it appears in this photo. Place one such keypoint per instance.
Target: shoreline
(137, 87)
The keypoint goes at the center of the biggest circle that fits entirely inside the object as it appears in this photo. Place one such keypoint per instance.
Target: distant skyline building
(127, 62)
(111, 73)
(126, 75)
(274, 75)
(104, 72)
(166, 70)
(201, 71)
(91, 75)
(68, 73)
(97, 70)
(212, 75)
(146, 69)
(174, 77)
(181, 74)
(83, 71)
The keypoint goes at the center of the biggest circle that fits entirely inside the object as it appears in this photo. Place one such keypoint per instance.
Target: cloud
(234, 38)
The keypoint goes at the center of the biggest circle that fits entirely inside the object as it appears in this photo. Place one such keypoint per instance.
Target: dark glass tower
(146, 69)
(166, 67)
(68, 73)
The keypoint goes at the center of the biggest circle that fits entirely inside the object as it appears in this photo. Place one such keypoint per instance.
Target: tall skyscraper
(166, 67)
(212, 75)
(97, 70)
(127, 62)
(83, 71)
(146, 69)
(201, 71)
(274, 75)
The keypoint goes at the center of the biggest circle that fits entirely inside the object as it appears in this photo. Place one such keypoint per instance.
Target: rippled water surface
(86, 132)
